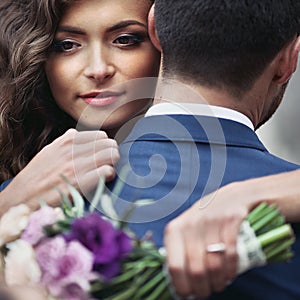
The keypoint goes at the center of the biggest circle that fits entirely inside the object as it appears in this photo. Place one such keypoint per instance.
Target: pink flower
(37, 220)
(64, 265)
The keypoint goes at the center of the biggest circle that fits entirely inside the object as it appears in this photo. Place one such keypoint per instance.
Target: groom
(225, 67)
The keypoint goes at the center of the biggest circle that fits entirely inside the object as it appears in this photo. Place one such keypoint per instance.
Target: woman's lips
(101, 98)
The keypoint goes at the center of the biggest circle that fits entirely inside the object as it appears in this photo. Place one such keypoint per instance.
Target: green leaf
(78, 207)
(108, 208)
(98, 194)
(120, 182)
(66, 203)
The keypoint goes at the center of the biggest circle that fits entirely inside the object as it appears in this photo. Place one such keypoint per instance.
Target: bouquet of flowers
(72, 254)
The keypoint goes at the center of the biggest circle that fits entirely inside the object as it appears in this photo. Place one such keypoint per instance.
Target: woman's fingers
(81, 157)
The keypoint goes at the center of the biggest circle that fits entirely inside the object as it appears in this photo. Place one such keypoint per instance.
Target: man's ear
(288, 61)
(152, 29)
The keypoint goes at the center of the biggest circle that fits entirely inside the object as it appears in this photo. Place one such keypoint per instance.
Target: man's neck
(170, 91)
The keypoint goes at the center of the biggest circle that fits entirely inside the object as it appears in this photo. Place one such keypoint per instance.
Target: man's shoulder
(287, 165)
(194, 128)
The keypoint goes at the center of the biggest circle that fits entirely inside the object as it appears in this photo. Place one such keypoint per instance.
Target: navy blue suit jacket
(4, 184)
(177, 159)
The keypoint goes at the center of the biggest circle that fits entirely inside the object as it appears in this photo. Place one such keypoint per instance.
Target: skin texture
(225, 210)
(99, 54)
(97, 58)
(81, 157)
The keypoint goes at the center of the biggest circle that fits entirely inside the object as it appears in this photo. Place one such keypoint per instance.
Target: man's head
(223, 43)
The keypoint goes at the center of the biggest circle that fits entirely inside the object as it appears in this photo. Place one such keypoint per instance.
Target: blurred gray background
(281, 133)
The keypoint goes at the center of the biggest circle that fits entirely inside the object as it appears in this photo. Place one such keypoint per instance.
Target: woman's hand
(81, 157)
(214, 219)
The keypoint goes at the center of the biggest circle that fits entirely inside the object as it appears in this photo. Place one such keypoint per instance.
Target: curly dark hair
(29, 117)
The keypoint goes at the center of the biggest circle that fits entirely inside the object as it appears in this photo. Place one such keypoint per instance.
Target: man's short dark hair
(223, 43)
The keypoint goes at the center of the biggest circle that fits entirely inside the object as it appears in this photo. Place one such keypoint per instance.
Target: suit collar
(199, 129)
(199, 109)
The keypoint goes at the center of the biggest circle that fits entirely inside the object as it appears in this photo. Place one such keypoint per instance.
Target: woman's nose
(99, 67)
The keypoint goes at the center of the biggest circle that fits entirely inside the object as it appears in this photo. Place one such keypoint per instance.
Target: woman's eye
(128, 40)
(65, 46)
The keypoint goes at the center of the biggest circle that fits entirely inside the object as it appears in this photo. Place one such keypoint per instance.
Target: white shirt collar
(198, 109)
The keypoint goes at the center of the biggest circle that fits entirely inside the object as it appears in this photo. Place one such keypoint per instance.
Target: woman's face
(99, 46)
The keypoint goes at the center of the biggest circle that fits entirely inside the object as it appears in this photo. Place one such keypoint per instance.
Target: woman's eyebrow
(126, 23)
(70, 29)
(120, 25)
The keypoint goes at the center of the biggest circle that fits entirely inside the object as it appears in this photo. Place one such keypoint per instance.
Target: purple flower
(37, 220)
(108, 244)
(65, 265)
(74, 291)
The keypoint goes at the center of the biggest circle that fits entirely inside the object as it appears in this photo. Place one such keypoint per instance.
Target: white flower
(13, 222)
(21, 267)
(30, 293)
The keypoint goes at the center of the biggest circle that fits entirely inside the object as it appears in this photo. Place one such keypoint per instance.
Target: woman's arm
(216, 219)
(81, 157)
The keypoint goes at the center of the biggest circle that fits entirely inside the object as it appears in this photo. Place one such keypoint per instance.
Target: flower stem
(279, 248)
(150, 285)
(275, 234)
